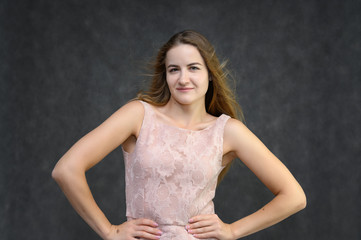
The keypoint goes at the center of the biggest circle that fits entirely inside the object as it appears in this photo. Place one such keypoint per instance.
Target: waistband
(173, 231)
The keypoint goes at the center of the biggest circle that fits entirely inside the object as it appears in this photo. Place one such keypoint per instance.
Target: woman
(178, 139)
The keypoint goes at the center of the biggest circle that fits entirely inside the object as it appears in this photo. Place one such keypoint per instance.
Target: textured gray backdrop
(67, 65)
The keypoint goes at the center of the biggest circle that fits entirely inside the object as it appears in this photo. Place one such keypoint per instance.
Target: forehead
(183, 54)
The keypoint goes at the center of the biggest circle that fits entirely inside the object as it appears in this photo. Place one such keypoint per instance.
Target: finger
(200, 218)
(201, 224)
(201, 230)
(145, 221)
(151, 230)
(146, 235)
(204, 235)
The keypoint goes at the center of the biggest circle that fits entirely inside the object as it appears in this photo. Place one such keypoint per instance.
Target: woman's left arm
(289, 196)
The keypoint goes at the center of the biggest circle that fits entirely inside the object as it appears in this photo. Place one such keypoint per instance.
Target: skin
(187, 78)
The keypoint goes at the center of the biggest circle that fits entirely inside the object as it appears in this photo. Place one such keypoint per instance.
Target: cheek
(206, 83)
(169, 79)
(206, 88)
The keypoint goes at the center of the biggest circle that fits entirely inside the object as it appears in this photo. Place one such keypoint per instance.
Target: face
(187, 75)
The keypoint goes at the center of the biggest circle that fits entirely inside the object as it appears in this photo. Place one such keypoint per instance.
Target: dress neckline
(154, 113)
(190, 130)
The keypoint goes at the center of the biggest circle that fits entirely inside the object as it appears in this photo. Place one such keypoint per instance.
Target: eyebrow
(191, 64)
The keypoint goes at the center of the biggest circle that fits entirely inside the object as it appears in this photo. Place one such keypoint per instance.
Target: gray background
(67, 65)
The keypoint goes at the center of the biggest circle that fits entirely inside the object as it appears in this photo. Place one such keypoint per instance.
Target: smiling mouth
(184, 89)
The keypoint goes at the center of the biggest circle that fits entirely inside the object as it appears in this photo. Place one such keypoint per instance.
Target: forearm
(76, 189)
(281, 207)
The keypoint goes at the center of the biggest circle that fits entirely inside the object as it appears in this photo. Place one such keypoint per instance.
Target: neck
(185, 114)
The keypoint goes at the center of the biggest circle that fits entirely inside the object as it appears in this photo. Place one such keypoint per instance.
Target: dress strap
(219, 133)
(222, 122)
(148, 112)
(148, 119)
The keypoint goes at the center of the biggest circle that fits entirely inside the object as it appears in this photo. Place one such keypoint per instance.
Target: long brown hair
(219, 97)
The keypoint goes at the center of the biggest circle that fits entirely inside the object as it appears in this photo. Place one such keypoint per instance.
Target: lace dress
(172, 173)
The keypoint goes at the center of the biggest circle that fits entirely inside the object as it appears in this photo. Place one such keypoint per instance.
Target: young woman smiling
(178, 140)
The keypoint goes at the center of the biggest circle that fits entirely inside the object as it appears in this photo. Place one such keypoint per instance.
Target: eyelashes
(191, 68)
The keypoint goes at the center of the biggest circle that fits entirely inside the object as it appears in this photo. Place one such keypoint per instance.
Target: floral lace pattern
(172, 173)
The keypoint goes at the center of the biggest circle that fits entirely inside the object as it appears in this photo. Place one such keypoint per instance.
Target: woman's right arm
(70, 170)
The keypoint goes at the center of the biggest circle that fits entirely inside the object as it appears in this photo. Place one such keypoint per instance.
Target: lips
(184, 89)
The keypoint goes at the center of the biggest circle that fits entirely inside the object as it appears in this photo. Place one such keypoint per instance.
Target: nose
(183, 78)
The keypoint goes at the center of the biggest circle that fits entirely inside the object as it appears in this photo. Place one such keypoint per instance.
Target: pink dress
(172, 173)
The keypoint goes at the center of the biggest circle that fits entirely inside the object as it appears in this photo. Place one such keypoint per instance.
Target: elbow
(61, 172)
(57, 174)
(295, 200)
(65, 172)
(301, 201)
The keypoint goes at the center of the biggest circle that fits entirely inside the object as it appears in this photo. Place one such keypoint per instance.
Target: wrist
(105, 232)
(233, 231)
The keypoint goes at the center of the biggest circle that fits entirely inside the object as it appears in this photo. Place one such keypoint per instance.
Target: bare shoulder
(234, 128)
(133, 107)
(233, 124)
(131, 115)
(237, 136)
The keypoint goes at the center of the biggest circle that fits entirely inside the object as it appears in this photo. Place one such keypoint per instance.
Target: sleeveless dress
(172, 173)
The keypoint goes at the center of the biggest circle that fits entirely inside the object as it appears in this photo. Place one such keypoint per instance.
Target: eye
(173, 70)
(193, 68)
